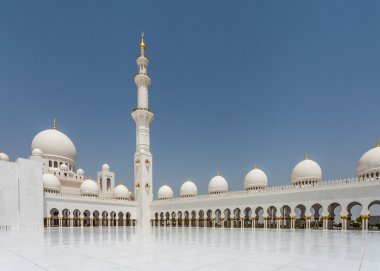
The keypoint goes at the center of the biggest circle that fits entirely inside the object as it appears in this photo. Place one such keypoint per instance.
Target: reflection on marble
(188, 249)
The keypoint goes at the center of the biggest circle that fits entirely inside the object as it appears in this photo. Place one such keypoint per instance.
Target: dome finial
(142, 44)
(254, 166)
(377, 143)
(55, 124)
(217, 173)
(306, 156)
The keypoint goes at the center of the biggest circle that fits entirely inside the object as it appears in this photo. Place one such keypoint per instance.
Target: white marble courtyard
(188, 249)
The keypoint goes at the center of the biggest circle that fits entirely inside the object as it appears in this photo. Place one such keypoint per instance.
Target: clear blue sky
(233, 83)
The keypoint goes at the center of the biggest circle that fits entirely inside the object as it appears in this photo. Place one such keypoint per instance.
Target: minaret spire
(143, 117)
(55, 124)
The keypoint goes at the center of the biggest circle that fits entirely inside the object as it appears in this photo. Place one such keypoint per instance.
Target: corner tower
(143, 164)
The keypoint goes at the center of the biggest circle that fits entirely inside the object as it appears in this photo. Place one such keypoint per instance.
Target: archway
(155, 220)
(237, 223)
(259, 217)
(218, 218)
(354, 221)
(179, 220)
(374, 218)
(316, 214)
(286, 219)
(300, 211)
(113, 219)
(334, 220)
(120, 221)
(209, 218)
(54, 219)
(86, 218)
(162, 219)
(65, 218)
(76, 218)
(167, 219)
(271, 218)
(104, 218)
(186, 222)
(227, 218)
(174, 224)
(128, 218)
(193, 218)
(95, 215)
(201, 214)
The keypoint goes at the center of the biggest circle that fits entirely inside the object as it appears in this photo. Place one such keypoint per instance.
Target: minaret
(143, 158)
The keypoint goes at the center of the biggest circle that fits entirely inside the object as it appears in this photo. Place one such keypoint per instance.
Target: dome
(4, 157)
(256, 178)
(306, 170)
(63, 167)
(188, 189)
(80, 171)
(105, 167)
(51, 182)
(89, 187)
(165, 192)
(55, 143)
(217, 185)
(37, 152)
(369, 162)
(121, 192)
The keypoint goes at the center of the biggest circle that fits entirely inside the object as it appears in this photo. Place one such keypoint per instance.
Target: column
(365, 222)
(293, 222)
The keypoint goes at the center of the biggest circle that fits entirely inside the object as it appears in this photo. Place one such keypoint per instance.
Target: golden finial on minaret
(377, 143)
(55, 124)
(142, 44)
(306, 156)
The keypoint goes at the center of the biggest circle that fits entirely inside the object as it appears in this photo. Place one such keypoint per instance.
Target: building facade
(48, 190)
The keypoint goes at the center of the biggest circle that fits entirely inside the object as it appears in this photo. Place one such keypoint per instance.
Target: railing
(79, 196)
(143, 109)
(281, 188)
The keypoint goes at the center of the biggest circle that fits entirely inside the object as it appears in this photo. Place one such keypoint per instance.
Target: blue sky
(233, 83)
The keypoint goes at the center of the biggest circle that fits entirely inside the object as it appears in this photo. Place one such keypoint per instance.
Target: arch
(86, 218)
(209, 218)
(201, 215)
(334, 220)
(227, 218)
(300, 211)
(76, 218)
(353, 216)
(113, 219)
(104, 218)
(247, 217)
(120, 219)
(179, 220)
(218, 218)
(128, 218)
(316, 216)
(271, 218)
(54, 218)
(193, 218)
(95, 221)
(259, 217)
(285, 212)
(162, 219)
(236, 220)
(374, 220)
(174, 222)
(167, 219)
(155, 219)
(65, 218)
(186, 220)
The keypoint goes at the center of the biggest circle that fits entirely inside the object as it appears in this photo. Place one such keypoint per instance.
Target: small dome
(165, 192)
(105, 167)
(37, 152)
(51, 182)
(188, 189)
(55, 144)
(89, 187)
(306, 170)
(63, 167)
(256, 178)
(369, 162)
(80, 171)
(4, 157)
(121, 192)
(217, 185)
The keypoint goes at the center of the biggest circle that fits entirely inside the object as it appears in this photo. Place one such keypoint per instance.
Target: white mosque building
(48, 190)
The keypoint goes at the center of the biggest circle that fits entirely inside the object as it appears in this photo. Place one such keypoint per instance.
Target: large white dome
(51, 182)
(306, 171)
(256, 178)
(188, 189)
(165, 192)
(89, 188)
(54, 143)
(369, 163)
(121, 192)
(217, 185)
(4, 157)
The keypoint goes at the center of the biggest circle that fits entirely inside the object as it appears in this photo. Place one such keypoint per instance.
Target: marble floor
(187, 249)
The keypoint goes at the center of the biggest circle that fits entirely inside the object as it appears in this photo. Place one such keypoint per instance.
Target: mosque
(48, 190)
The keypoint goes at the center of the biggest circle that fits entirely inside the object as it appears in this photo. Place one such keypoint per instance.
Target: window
(55, 164)
(108, 184)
